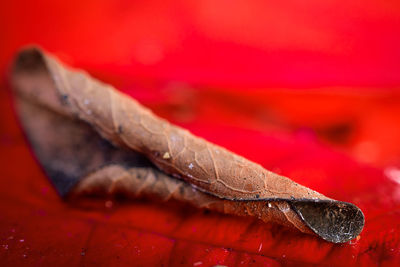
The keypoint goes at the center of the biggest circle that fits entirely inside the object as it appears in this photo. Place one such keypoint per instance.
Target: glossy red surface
(311, 92)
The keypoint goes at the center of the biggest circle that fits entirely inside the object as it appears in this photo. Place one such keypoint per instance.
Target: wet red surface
(342, 137)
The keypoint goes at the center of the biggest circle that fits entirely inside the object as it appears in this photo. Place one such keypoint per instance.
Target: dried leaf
(90, 138)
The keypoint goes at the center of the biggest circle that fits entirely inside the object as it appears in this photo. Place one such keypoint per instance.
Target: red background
(309, 90)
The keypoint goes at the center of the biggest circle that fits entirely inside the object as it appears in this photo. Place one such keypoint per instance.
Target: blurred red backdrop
(309, 90)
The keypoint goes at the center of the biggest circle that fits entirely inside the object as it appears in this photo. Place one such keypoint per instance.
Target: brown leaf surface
(57, 105)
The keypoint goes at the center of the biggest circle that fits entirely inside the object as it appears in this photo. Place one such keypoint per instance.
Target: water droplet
(21, 240)
(191, 166)
(285, 209)
(24, 255)
(108, 204)
(260, 247)
(393, 174)
(269, 205)
(166, 155)
(197, 263)
(174, 138)
(64, 99)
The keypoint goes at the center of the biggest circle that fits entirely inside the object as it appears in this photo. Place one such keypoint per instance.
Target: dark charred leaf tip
(29, 60)
(334, 221)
